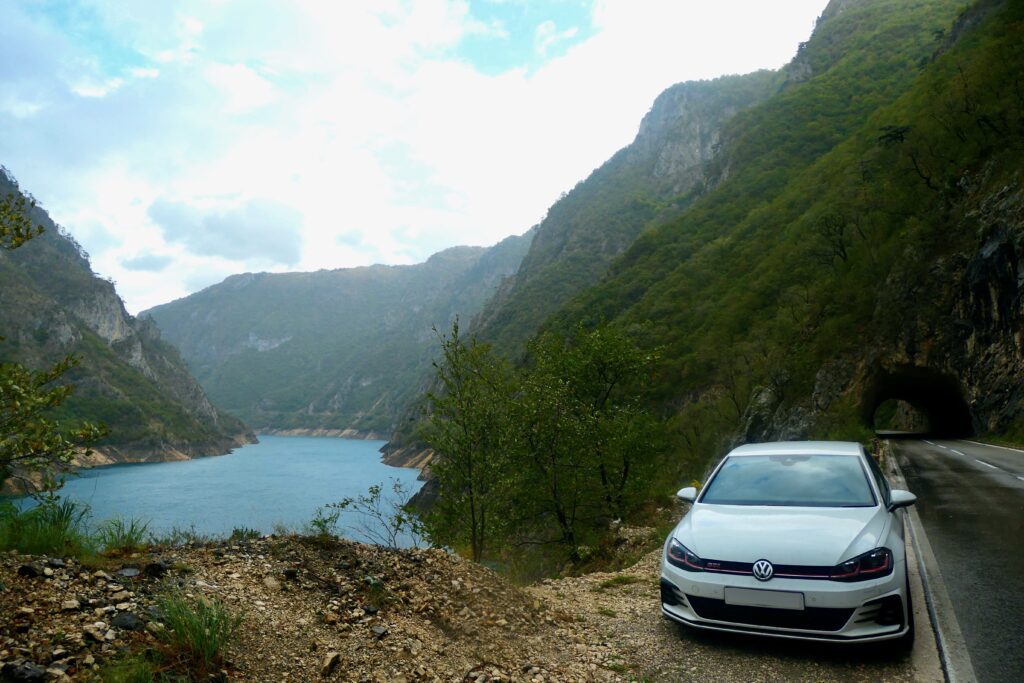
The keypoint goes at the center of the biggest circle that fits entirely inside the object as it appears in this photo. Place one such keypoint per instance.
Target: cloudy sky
(181, 142)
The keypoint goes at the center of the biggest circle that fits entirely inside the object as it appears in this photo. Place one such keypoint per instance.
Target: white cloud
(358, 116)
(547, 35)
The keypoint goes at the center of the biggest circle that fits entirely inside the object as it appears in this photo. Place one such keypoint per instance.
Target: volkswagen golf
(793, 540)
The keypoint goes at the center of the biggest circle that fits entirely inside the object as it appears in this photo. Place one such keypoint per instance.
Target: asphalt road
(970, 499)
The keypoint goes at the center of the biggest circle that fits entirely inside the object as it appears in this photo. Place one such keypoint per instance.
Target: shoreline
(106, 456)
(348, 433)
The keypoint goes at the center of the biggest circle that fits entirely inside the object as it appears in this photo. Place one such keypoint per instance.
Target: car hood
(782, 535)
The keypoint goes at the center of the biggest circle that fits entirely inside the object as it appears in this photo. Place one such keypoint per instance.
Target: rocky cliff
(645, 183)
(129, 378)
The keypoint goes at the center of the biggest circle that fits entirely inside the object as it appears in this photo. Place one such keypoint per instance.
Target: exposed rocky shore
(360, 434)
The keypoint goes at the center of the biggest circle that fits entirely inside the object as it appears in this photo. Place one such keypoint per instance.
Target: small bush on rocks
(324, 524)
(244, 534)
(197, 631)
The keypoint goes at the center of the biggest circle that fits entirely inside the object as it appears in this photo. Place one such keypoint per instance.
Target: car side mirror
(900, 499)
(689, 494)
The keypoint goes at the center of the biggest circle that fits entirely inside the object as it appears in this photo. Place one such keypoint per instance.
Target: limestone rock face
(129, 378)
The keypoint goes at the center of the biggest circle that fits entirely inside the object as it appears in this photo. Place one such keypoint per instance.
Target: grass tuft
(197, 630)
(132, 669)
(123, 537)
(620, 580)
(53, 527)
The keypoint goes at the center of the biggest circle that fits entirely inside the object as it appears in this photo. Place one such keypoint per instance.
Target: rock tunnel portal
(937, 397)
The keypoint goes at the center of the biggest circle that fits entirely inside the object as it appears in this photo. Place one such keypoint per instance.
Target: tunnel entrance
(919, 400)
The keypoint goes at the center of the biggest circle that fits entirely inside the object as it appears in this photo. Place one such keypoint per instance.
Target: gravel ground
(342, 611)
(626, 611)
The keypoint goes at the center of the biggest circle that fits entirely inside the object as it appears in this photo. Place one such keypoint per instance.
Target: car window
(792, 480)
(880, 480)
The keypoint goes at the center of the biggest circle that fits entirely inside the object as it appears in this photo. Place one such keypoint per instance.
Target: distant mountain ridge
(129, 378)
(333, 349)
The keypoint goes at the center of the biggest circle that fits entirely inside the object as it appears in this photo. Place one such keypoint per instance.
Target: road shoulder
(945, 655)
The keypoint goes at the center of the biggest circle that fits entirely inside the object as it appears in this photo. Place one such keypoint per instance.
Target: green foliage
(31, 443)
(385, 520)
(324, 524)
(131, 669)
(620, 580)
(544, 454)
(15, 223)
(55, 526)
(123, 537)
(197, 632)
(470, 426)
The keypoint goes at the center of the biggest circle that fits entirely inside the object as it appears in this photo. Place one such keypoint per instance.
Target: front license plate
(751, 597)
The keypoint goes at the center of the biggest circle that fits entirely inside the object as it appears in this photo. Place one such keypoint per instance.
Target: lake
(280, 481)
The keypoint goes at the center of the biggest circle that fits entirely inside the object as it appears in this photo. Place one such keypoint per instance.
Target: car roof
(799, 448)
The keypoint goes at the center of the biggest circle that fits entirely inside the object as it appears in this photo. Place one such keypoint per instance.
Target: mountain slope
(339, 349)
(698, 135)
(651, 179)
(129, 379)
(864, 242)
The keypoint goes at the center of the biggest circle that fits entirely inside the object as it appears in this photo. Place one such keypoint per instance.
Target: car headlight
(870, 565)
(680, 556)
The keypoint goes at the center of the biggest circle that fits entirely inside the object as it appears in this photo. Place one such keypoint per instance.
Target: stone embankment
(336, 610)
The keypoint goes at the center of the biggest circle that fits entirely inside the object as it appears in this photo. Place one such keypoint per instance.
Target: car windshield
(787, 479)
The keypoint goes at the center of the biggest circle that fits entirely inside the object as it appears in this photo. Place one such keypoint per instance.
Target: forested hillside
(339, 349)
(699, 134)
(128, 379)
(863, 242)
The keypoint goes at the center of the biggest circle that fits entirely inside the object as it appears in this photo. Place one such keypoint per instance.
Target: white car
(794, 540)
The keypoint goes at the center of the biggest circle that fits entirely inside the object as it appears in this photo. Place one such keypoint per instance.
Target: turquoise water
(282, 480)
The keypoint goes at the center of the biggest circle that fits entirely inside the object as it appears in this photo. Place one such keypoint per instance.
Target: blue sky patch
(517, 34)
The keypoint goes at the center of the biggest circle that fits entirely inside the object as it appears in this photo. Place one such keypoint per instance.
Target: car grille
(782, 571)
(810, 619)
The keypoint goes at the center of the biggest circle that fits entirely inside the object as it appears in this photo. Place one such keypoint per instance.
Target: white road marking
(928, 442)
(1021, 478)
(943, 447)
(986, 464)
(956, 451)
(992, 445)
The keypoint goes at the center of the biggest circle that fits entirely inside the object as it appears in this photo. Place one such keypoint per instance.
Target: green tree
(585, 446)
(469, 428)
(30, 442)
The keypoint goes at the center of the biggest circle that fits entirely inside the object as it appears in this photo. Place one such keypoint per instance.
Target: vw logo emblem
(763, 570)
